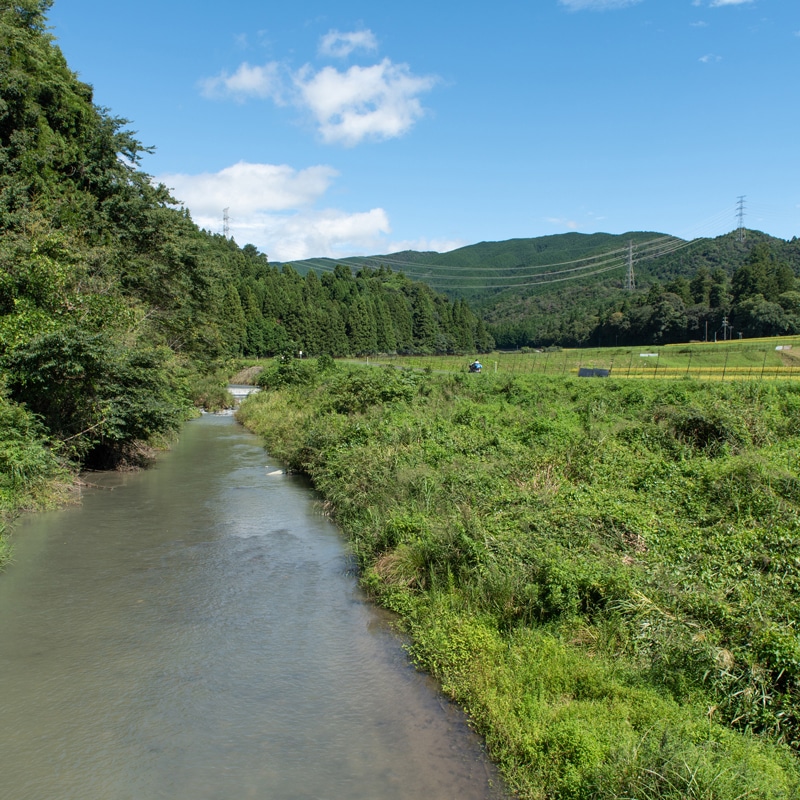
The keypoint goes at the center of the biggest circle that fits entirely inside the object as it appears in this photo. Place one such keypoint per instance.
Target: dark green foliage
(375, 311)
(93, 395)
(288, 371)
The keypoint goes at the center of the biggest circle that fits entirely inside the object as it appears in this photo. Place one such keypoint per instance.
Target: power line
(454, 277)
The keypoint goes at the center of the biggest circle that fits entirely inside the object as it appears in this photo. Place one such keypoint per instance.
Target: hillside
(565, 289)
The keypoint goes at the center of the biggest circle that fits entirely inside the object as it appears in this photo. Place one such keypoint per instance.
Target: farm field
(749, 360)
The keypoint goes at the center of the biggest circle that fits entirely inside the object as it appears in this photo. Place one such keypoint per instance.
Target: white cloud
(377, 102)
(331, 233)
(719, 3)
(597, 5)
(248, 81)
(250, 187)
(709, 58)
(272, 207)
(374, 102)
(340, 45)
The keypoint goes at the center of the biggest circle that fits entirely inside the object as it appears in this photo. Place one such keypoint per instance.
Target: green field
(752, 359)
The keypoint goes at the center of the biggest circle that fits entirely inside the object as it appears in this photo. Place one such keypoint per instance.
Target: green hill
(564, 289)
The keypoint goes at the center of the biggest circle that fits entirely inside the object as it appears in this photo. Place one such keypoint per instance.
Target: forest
(570, 290)
(720, 288)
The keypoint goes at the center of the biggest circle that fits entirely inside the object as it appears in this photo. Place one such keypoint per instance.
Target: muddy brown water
(194, 631)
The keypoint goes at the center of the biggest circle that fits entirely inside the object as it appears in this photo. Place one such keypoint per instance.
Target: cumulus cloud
(376, 102)
(329, 232)
(273, 207)
(248, 81)
(340, 45)
(254, 187)
(597, 5)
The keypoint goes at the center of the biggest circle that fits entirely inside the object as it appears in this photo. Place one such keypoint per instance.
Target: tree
(756, 316)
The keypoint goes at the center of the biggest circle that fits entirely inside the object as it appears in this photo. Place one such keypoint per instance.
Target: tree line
(752, 292)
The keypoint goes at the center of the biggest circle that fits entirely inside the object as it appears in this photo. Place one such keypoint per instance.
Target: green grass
(749, 359)
(606, 574)
(31, 476)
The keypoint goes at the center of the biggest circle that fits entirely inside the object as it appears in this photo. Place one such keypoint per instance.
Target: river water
(194, 631)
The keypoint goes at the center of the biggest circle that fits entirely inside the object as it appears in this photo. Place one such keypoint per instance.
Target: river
(194, 631)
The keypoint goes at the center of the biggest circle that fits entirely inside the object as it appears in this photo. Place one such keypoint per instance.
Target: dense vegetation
(718, 289)
(606, 574)
(116, 311)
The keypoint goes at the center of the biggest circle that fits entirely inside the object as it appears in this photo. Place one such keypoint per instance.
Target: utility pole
(740, 217)
(630, 280)
(724, 327)
(226, 227)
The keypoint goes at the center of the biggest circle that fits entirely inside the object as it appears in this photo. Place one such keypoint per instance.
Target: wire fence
(758, 361)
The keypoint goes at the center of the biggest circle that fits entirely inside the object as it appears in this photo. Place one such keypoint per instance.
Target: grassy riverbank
(31, 477)
(604, 574)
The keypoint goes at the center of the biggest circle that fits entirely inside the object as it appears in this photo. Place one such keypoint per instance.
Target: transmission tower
(226, 227)
(630, 280)
(740, 217)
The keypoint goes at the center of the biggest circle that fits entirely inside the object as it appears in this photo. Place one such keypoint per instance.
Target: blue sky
(348, 128)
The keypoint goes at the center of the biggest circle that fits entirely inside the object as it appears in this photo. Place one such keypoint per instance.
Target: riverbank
(605, 575)
(31, 477)
(38, 471)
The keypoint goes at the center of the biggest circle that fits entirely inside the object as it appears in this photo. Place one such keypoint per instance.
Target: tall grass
(606, 574)
(30, 474)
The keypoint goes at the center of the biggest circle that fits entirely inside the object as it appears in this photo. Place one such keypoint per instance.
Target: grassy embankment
(31, 477)
(605, 574)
